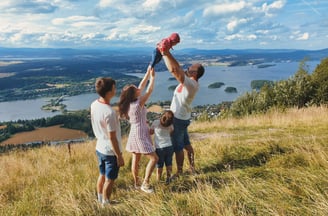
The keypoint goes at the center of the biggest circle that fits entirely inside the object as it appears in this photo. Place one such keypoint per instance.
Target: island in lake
(265, 65)
(230, 89)
(172, 87)
(216, 85)
(55, 104)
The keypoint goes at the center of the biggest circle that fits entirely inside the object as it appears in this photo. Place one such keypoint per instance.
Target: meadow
(270, 164)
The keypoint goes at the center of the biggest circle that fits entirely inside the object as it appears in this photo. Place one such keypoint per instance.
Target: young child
(162, 128)
(107, 130)
(132, 107)
(163, 46)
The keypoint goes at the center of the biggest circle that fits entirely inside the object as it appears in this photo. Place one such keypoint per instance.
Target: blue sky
(203, 24)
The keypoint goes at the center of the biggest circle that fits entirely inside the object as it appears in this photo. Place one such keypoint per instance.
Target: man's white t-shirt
(162, 134)
(104, 120)
(182, 98)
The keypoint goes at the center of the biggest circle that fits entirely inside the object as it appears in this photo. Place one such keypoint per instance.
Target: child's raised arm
(144, 80)
(144, 98)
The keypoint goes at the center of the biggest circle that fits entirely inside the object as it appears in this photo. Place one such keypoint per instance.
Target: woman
(132, 107)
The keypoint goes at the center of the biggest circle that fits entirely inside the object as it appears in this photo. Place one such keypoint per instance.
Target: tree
(303, 88)
(320, 83)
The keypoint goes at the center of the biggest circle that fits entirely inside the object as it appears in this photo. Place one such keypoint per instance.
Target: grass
(273, 164)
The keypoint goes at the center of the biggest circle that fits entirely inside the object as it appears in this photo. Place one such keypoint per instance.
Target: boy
(107, 130)
(162, 128)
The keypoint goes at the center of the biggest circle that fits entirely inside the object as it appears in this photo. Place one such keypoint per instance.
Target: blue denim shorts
(156, 58)
(180, 136)
(108, 165)
(164, 156)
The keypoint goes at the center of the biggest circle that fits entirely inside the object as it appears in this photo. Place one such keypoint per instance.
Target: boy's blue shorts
(108, 165)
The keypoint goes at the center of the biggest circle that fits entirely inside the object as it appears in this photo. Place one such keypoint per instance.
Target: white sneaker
(146, 188)
(105, 203)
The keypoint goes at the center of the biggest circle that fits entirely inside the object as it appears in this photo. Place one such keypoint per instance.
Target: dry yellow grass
(275, 164)
(155, 108)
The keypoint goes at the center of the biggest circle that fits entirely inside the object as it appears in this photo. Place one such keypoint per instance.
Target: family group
(170, 130)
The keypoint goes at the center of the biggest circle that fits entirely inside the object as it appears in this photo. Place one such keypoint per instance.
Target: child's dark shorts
(164, 156)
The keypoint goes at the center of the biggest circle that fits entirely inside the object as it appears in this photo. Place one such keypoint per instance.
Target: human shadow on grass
(230, 162)
(209, 174)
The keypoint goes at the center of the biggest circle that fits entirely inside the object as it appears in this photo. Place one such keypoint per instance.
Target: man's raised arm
(174, 67)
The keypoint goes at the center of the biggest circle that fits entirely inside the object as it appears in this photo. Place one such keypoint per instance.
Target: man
(183, 96)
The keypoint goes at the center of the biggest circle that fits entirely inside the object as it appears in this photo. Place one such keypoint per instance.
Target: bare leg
(159, 174)
(135, 168)
(191, 157)
(168, 174)
(100, 184)
(108, 189)
(153, 158)
(179, 157)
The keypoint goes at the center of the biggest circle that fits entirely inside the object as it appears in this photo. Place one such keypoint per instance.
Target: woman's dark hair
(167, 118)
(104, 85)
(127, 96)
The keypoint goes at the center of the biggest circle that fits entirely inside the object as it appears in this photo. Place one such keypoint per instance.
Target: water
(24, 109)
(239, 77)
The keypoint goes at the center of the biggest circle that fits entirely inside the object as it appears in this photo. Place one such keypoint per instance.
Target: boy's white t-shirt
(104, 120)
(181, 101)
(162, 136)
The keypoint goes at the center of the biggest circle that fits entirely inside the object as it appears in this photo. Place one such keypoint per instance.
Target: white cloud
(90, 36)
(143, 29)
(16, 38)
(297, 35)
(274, 37)
(222, 9)
(151, 5)
(304, 36)
(204, 23)
(268, 9)
(5, 3)
(107, 3)
(241, 37)
(28, 7)
(262, 31)
(73, 19)
(234, 23)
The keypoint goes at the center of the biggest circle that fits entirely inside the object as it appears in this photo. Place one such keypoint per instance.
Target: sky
(201, 24)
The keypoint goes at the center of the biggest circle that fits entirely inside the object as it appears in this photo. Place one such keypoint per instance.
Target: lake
(239, 77)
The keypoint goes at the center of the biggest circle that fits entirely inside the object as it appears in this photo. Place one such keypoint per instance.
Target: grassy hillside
(273, 164)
